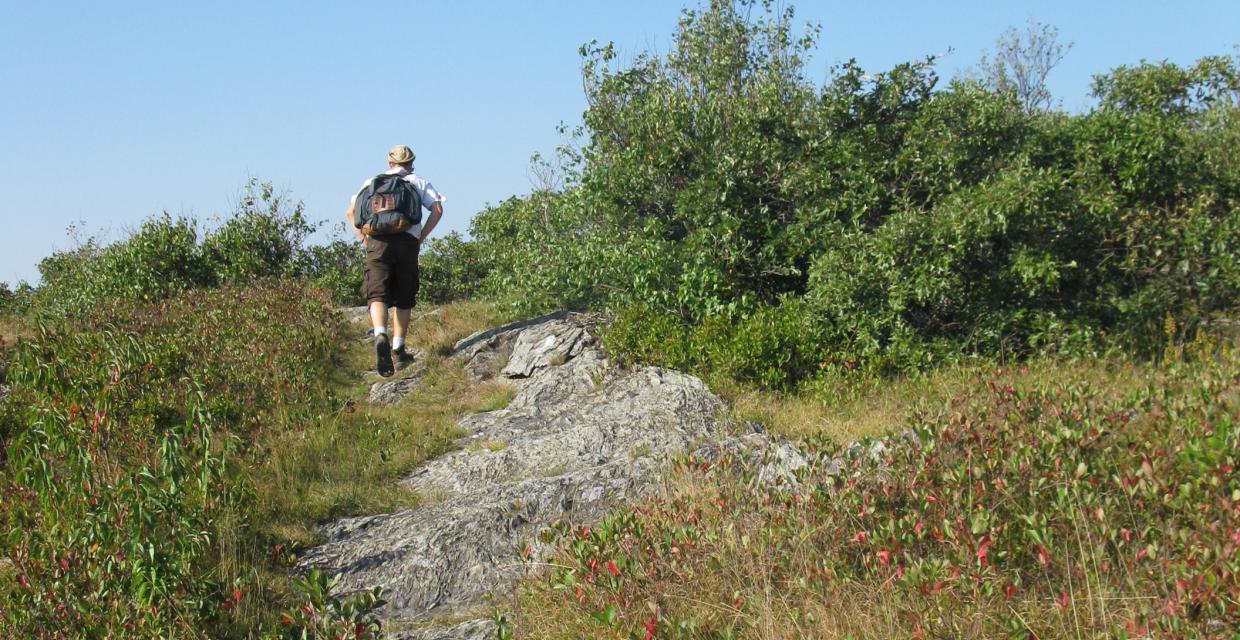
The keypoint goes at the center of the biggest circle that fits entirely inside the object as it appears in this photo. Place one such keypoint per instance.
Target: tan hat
(400, 154)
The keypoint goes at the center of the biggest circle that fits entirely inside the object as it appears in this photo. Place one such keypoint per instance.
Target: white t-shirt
(427, 192)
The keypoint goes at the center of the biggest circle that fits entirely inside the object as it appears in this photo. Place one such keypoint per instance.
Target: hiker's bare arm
(356, 231)
(436, 214)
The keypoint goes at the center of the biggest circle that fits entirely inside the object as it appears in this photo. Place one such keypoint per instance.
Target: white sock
(381, 331)
(398, 342)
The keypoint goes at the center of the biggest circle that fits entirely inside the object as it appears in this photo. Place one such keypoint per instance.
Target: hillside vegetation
(1036, 310)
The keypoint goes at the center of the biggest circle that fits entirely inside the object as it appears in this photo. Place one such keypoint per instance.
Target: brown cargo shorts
(391, 270)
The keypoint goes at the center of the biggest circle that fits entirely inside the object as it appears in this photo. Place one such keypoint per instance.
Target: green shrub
(919, 225)
(160, 259)
(772, 347)
(15, 301)
(451, 269)
(337, 266)
(262, 237)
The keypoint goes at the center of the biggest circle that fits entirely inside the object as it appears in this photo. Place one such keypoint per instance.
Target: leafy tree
(1021, 63)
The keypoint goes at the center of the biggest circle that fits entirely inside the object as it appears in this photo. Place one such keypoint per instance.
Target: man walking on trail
(386, 214)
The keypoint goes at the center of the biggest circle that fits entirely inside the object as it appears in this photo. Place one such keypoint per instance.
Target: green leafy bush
(337, 266)
(451, 269)
(262, 237)
(917, 224)
(15, 301)
(769, 348)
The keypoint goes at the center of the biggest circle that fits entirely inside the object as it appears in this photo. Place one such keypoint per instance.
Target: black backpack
(389, 205)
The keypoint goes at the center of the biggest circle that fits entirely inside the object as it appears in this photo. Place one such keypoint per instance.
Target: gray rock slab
(573, 417)
(459, 552)
(468, 346)
(488, 352)
(577, 440)
(771, 461)
(392, 392)
(544, 345)
(580, 438)
(389, 392)
(468, 630)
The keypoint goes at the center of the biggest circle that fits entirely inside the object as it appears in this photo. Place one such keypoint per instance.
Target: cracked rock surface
(579, 438)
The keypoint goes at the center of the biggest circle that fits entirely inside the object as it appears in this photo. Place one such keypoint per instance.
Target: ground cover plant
(165, 460)
(1021, 507)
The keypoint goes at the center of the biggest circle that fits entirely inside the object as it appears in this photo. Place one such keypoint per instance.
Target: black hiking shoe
(402, 356)
(383, 356)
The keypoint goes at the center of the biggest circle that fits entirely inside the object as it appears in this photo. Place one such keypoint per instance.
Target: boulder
(545, 345)
(355, 314)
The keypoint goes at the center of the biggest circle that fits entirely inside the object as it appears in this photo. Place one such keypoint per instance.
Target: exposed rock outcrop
(580, 437)
(470, 630)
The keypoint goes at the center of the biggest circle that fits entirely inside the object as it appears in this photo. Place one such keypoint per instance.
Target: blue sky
(112, 112)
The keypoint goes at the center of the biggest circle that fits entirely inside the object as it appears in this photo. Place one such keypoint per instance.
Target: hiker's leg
(405, 289)
(378, 316)
(401, 326)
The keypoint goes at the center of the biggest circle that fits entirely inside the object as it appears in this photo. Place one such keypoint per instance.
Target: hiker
(386, 214)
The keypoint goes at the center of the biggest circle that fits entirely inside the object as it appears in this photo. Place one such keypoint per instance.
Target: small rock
(392, 392)
(354, 314)
(775, 460)
(469, 346)
(486, 352)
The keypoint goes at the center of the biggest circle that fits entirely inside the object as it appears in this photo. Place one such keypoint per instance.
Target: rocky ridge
(580, 437)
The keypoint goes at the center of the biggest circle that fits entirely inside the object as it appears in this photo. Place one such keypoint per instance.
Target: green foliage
(450, 269)
(158, 260)
(320, 616)
(916, 224)
(15, 301)
(260, 239)
(264, 237)
(126, 442)
(769, 348)
(337, 267)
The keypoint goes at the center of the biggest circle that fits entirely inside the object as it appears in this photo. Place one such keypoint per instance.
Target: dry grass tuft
(840, 415)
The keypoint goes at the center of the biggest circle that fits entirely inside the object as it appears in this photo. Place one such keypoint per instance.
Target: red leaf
(983, 550)
(611, 566)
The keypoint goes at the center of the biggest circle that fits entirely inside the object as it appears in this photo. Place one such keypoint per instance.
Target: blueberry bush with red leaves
(1014, 510)
(129, 447)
